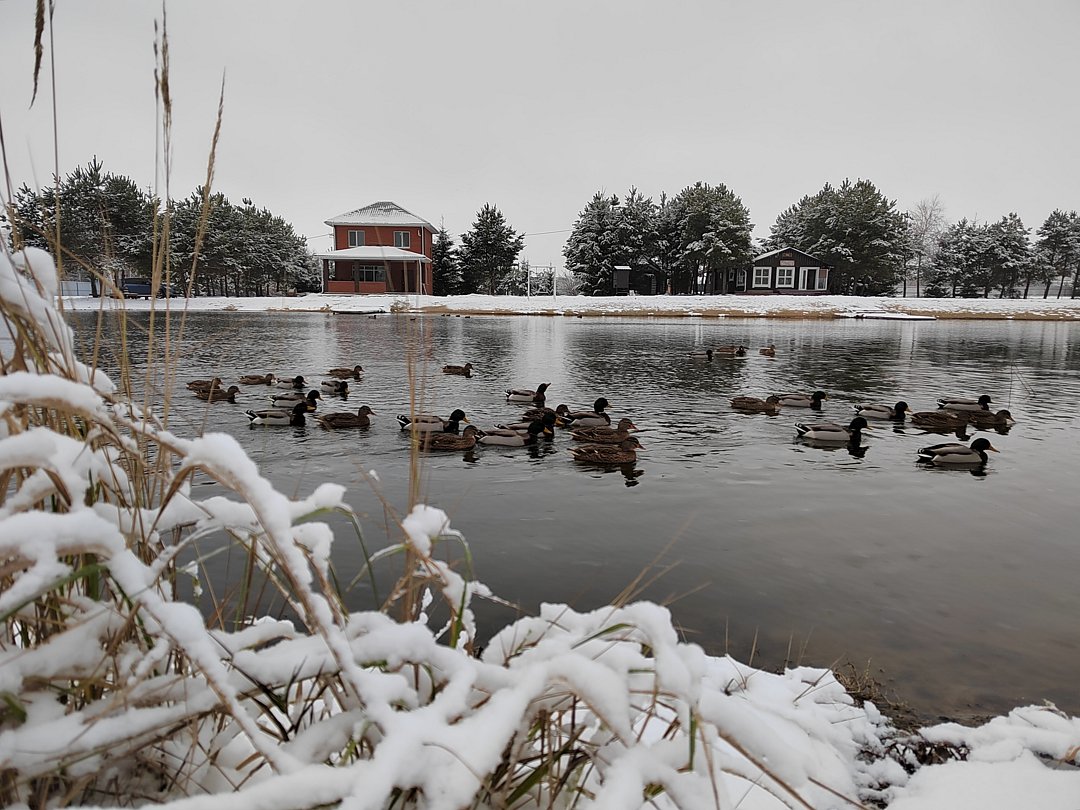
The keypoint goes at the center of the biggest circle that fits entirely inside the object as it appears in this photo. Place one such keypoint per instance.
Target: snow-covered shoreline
(735, 306)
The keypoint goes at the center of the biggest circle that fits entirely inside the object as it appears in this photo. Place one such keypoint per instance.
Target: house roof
(384, 212)
(781, 250)
(373, 253)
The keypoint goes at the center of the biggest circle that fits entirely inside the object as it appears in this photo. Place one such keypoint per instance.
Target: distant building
(380, 248)
(787, 271)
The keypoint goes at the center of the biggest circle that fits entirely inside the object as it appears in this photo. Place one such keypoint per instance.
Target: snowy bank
(706, 306)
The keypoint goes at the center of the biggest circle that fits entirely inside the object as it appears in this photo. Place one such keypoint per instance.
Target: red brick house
(788, 271)
(380, 248)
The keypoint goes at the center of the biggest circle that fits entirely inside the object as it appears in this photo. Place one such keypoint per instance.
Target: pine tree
(1059, 247)
(446, 275)
(713, 229)
(592, 249)
(488, 251)
(1009, 255)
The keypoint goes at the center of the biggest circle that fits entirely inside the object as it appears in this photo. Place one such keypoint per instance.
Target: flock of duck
(290, 406)
(602, 443)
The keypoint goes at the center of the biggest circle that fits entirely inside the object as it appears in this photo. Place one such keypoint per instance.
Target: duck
(583, 419)
(339, 387)
(730, 351)
(876, 411)
(954, 453)
(514, 438)
(545, 419)
(939, 420)
(701, 354)
(451, 441)
(296, 383)
(813, 400)
(258, 379)
(204, 385)
(343, 373)
(605, 435)
(337, 421)
(525, 395)
(831, 432)
(1002, 418)
(290, 399)
(429, 423)
(461, 371)
(540, 413)
(769, 405)
(768, 351)
(279, 416)
(625, 452)
(219, 394)
(960, 404)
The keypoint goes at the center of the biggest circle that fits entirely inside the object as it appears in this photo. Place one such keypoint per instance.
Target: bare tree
(926, 222)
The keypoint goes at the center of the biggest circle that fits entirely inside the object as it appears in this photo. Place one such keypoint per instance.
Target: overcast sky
(445, 106)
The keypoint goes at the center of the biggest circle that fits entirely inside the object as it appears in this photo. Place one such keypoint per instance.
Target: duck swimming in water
(337, 421)
(279, 416)
(353, 373)
(1002, 418)
(597, 417)
(812, 401)
(461, 371)
(219, 394)
(831, 432)
(957, 454)
(939, 420)
(896, 412)
(769, 405)
(429, 423)
(623, 453)
(450, 441)
(959, 404)
(504, 437)
(527, 395)
(605, 435)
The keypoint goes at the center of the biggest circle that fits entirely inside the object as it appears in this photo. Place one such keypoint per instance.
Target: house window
(785, 276)
(368, 272)
(823, 279)
(762, 276)
(401, 239)
(341, 271)
(356, 238)
(740, 279)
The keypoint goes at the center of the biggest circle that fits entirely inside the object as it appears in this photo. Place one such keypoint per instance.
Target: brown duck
(343, 373)
(756, 405)
(450, 441)
(339, 420)
(623, 453)
(461, 371)
(605, 435)
(218, 394)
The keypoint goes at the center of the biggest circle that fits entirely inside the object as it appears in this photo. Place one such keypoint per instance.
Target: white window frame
(757, 284)
(368, 272)
(785, 278)
(356, 239)
(822, 278)
(402, 239)
(740, 278)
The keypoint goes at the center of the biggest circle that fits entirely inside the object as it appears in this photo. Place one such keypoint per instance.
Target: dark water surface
(961, 589)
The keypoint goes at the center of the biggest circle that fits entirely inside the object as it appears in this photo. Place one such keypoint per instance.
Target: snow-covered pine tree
(592, 250)
(1059, 247)
(446, 274)
(488, 251)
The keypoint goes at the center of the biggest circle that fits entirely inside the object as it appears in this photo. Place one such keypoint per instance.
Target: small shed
(621, 279)
(787, 271)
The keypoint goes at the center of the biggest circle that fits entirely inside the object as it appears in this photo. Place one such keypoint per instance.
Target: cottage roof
(384, 212)
(373, 253)
(772, 253)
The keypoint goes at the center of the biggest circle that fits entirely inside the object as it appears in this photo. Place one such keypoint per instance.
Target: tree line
(111, 229)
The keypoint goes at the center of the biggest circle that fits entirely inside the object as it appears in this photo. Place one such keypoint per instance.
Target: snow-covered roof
(384, 212)
(781, 250)
(374, 253)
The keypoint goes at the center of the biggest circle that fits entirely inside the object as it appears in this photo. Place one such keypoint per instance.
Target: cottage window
(401, 239)
(368, 272)
(740, 279)
(823, 279)
(785, 276)
(762, 276)
(341, 271)
(356, 238)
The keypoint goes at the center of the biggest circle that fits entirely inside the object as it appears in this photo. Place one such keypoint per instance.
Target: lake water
(959, 591)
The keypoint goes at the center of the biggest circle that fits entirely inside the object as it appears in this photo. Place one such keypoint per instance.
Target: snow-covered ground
(777, 306)
(642, 718)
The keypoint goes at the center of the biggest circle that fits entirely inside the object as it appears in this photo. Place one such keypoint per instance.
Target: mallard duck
(584, 419)
(204, 385)
(959, 404)
(768, 351)
(451, 441)
(525, 395)
(288, 400)
(990, 419)
(729, 351)
(339, 387)
(339, 420)
(625, 452)
(545, 419)
(279, 416)
(939, 420)
(876, 411)
(831, 432)
(605, 435)
(295, 383)
(218, 394)
(701, 354)
(539, 413)
(461, 371)
(953, 453)
(768, 405)
(429, 423)
(505, 437)
(342, 373)
(813, 400)
(258, 379)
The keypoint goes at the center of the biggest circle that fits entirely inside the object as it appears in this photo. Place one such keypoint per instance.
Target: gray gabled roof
(781, 250)
(383, 212)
